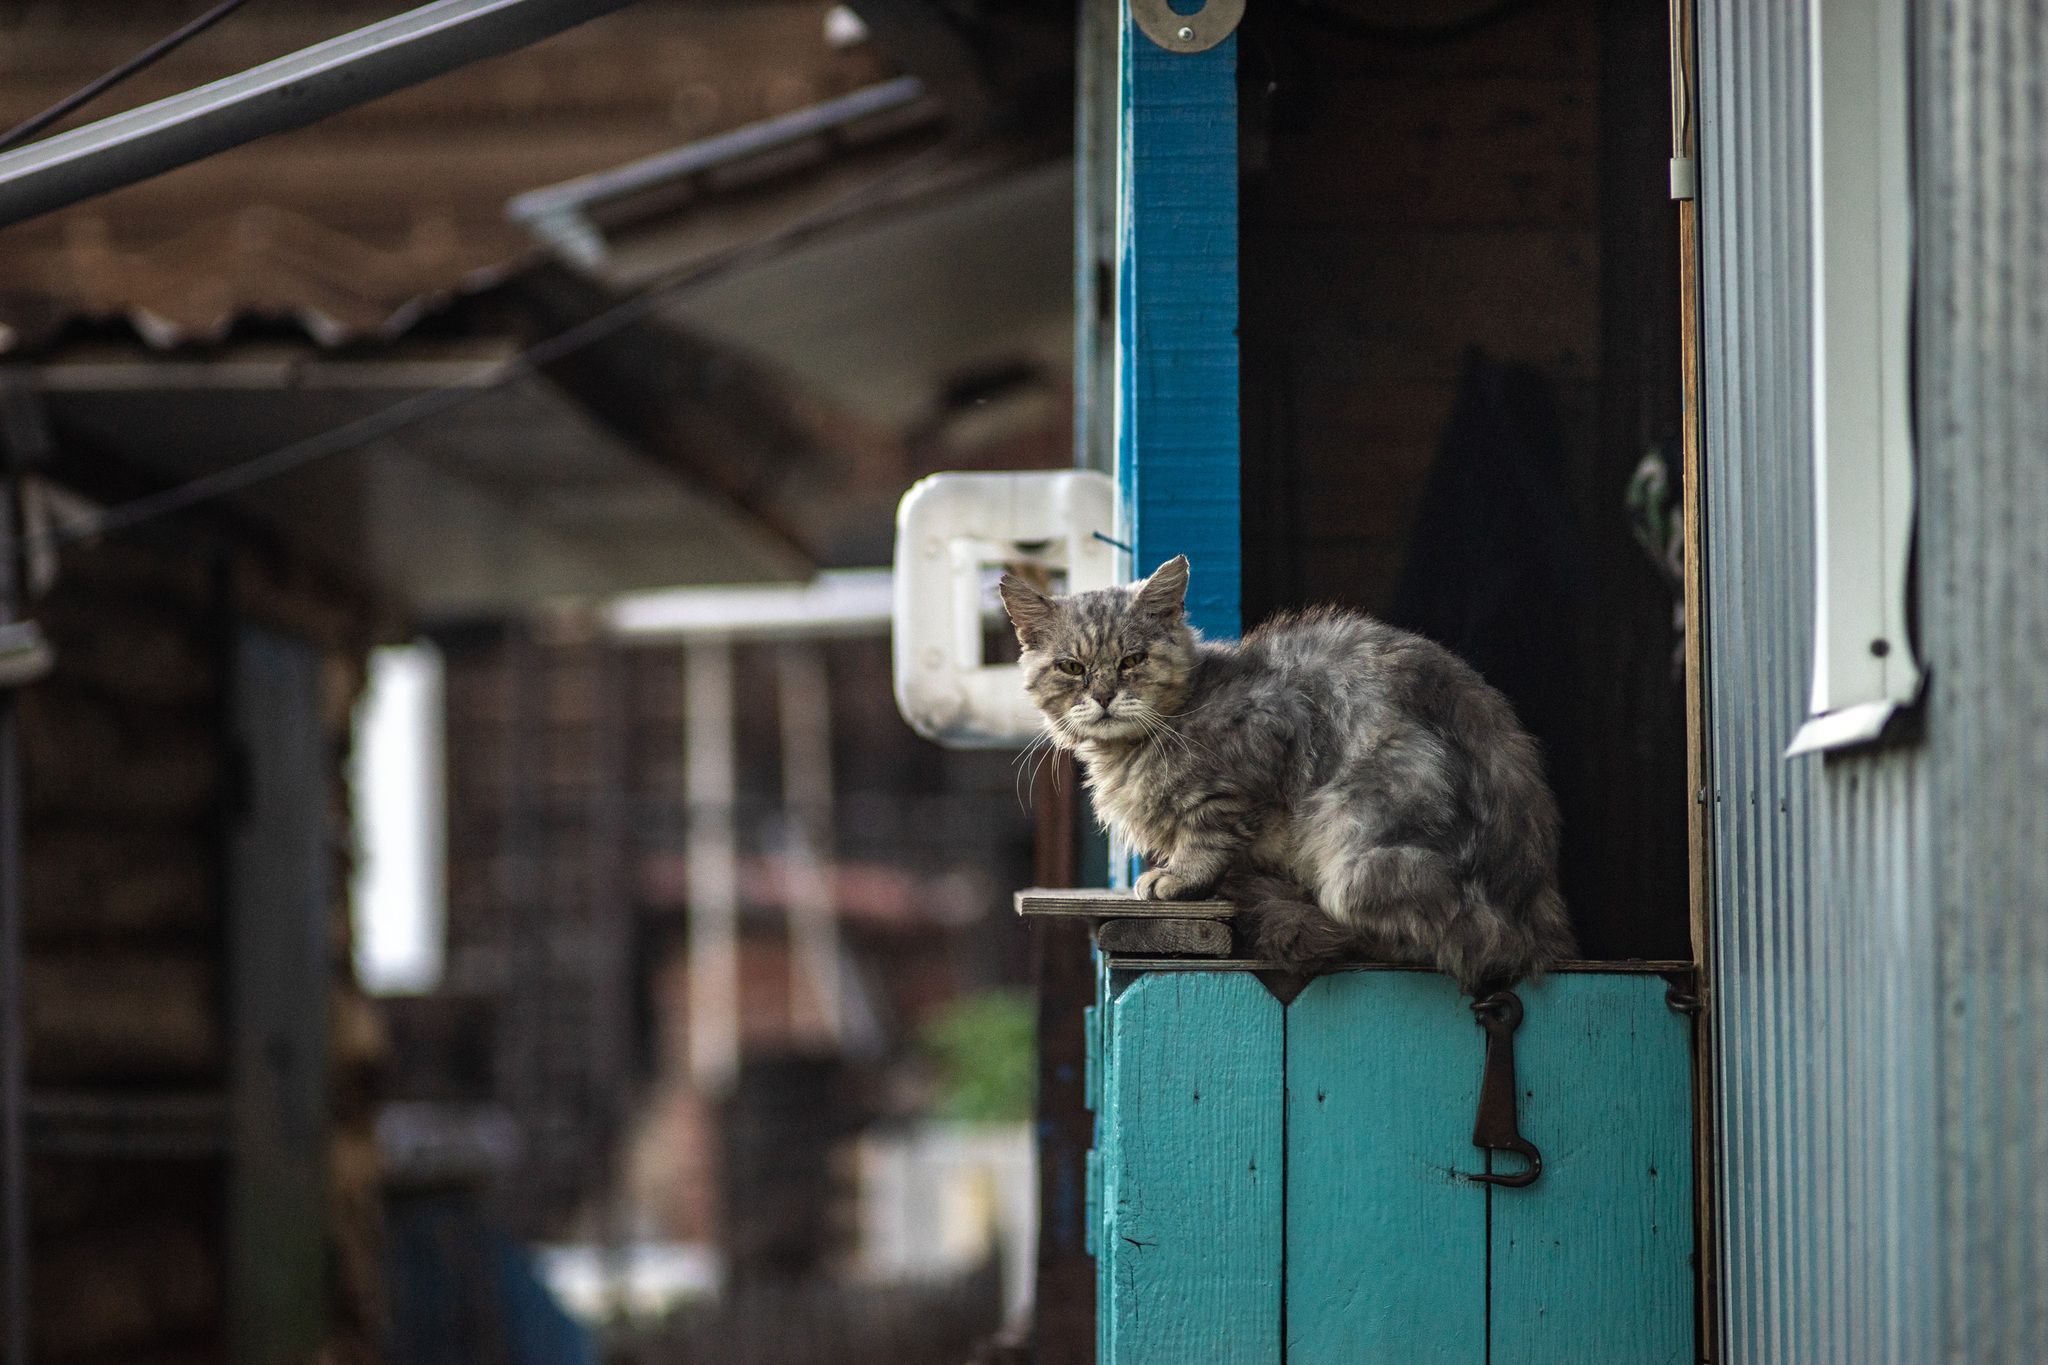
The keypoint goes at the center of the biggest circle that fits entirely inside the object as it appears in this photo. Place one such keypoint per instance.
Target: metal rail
(555, 214)
(287, 93)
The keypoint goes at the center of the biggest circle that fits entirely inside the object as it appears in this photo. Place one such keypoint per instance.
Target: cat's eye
(1071, 667)
(1131, 661)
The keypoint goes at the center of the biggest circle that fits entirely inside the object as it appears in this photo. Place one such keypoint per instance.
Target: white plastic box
(955, 535)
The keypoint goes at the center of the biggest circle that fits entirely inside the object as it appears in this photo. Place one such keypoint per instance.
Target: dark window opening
(1460, 362)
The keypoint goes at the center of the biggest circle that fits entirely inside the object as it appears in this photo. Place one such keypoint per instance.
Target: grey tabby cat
(1360, 789)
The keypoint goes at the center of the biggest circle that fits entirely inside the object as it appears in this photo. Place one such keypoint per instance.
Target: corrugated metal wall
(1826, 973)
(1984, 452)
(1881, 941)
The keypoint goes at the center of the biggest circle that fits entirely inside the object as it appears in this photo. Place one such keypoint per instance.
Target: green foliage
(986, 1054)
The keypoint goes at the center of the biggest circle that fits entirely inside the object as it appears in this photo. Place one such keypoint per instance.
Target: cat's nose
(1102, 695)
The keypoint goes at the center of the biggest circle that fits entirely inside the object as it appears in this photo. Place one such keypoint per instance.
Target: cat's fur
(1359, 788)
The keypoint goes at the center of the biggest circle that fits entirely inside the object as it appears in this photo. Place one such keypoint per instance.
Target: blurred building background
(240, 1152)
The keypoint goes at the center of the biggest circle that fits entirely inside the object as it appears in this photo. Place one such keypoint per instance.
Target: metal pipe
(805, 697)
(287, 93)
(713, 876)
(555, 213)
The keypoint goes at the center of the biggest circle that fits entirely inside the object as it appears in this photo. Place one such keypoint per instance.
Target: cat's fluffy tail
(1513, 856)
(1297, 933)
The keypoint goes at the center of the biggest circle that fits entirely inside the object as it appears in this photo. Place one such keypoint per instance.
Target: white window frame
(1863, 664)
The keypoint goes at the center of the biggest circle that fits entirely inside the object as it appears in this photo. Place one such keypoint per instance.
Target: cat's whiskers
(1041, 738)
(1044, 757)
(1026, 783)
(1158, 729)
(1159, 725)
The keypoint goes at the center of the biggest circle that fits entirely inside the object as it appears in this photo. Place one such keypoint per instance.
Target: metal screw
(1186, 35)
(1880, 647)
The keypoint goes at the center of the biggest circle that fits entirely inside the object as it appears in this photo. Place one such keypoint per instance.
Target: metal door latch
(1500, 1014)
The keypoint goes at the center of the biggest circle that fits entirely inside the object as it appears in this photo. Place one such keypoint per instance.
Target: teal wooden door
(1287, 1183)
(1382, 1083)
(1189, 1140)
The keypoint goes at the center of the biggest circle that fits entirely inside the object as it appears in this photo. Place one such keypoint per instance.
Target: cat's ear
(1165, 593)
(1031, 611)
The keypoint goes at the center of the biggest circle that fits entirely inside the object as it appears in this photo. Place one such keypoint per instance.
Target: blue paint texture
(1386, 1244)
(1592, 1264)
(1192, 1172)
(1177, 439)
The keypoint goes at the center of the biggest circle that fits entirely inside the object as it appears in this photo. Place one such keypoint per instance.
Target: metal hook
(1500, 1014)
(1197, 32)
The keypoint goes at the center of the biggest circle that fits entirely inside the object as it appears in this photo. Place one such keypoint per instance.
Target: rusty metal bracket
(1495, 1130)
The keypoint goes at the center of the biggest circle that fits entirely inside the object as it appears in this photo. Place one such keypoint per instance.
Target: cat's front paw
(1160, 885)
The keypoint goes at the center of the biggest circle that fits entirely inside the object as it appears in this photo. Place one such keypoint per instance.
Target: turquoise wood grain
(1386, 1245)
(1192, 1172)
(1592, 1265)
(1177, 441)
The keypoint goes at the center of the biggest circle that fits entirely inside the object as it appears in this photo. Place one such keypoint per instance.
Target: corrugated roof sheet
(355, 226)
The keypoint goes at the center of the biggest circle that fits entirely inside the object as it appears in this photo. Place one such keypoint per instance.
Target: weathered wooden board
(1192, 1172)
(1096, 903)
(1592, 1263)
(1195, 937)
(279, 862)
(1177, 452)
(1386, 1243)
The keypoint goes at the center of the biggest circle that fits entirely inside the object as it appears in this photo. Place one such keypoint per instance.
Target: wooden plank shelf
(1209, 938)
(1099, 904)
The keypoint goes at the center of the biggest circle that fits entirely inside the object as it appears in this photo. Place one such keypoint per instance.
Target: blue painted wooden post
(1177, 438)
(1175, 405)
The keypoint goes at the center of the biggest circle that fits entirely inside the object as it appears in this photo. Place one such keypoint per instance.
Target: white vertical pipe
(806, 705)
(713, 871)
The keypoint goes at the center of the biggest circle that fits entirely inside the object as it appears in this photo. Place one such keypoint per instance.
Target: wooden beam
(1168, 937)
(1096, 903)
(688, 406)
(278, 870)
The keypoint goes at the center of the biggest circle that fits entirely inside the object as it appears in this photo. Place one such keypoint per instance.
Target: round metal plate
(1196, 32)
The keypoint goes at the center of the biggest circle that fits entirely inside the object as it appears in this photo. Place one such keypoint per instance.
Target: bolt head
(1186, 35)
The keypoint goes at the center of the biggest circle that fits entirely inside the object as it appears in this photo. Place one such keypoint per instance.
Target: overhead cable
(149, 56)
(434, 402)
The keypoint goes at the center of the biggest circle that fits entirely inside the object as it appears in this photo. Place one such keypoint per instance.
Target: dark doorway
(1460, 305)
